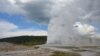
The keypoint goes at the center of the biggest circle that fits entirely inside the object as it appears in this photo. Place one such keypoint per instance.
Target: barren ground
(8, 49)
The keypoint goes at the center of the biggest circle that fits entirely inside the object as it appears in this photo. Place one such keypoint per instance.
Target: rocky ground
(7, 49)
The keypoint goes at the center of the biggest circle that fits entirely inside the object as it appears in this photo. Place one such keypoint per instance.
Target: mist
(73, 22)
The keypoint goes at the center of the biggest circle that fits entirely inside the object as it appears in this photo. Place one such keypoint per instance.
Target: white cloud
(25, 32)
(84, 29)
(9, 6)
(7, 26)
(12, 1)
(38, 11)
(8, 29)
(25, 1)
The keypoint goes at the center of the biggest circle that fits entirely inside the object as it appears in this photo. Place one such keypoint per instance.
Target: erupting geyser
(73, 22)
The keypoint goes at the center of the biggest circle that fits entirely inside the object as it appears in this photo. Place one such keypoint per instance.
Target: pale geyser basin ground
(46, 50)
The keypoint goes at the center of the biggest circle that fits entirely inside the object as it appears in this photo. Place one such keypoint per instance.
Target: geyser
(73, 22)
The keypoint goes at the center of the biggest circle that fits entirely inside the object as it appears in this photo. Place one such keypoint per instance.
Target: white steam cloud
(84, 29)
(66, 13)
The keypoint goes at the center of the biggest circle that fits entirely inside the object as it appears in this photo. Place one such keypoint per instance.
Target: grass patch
(36, 47)
(59, 53)
(79, 50)
(90, 46)
(69, 47)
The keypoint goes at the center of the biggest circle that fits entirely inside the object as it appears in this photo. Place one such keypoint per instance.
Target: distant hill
(26, 40)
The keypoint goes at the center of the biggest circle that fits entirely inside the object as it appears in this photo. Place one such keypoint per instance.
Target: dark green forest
(26, 40)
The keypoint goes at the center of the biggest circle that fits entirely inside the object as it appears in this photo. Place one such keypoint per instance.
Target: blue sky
(20, 21)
